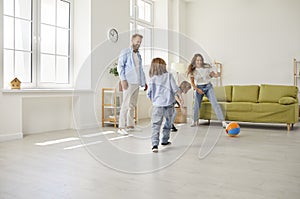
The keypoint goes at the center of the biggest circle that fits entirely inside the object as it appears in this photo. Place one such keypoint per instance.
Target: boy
(162, 89)
(184, 87)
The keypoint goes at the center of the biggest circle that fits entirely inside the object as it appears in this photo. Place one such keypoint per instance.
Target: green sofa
(252, 103)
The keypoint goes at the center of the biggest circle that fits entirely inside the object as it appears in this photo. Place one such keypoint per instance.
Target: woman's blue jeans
(209, 92)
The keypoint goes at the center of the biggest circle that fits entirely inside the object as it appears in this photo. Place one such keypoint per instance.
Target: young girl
(200, 74)
(161, 91)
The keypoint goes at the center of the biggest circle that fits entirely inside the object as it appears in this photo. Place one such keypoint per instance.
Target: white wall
(82, 43)
(104, 16)
(20, 111)
(10, 106)
(255, 40)
(40, 114)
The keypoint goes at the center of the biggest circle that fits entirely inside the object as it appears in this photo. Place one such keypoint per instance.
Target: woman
(200, 75)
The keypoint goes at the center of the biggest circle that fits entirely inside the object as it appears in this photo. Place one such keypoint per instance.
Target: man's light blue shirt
(126, 68)
(162, 89)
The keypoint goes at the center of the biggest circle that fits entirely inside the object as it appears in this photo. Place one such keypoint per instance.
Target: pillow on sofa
(287, 100)
(272, 93)
(245, 93)
(223, 93)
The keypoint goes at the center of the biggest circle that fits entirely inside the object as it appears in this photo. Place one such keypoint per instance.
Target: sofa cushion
(223, 93)
(238, 107)
(287, 100)
(245, 93)
(272, 93)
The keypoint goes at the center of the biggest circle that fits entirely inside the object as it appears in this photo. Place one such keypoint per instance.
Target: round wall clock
(113, 35)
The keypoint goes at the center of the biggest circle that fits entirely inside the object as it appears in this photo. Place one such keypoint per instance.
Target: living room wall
(255, 40)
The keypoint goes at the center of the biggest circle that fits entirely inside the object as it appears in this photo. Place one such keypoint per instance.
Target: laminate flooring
(263, 162)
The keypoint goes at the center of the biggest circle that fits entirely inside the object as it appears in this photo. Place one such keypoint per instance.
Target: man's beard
(135, 47)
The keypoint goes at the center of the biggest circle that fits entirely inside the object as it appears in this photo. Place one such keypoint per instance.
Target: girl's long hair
(192, 65)
(158, 67)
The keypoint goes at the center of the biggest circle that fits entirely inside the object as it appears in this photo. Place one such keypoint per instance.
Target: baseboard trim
(12, 136)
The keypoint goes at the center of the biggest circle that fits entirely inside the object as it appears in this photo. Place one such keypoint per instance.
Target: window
(141, 14)
(37, 43)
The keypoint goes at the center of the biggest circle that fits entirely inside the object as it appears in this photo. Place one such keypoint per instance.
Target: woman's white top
(202, 75)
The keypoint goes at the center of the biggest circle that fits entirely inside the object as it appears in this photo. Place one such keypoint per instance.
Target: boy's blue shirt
(162, 89)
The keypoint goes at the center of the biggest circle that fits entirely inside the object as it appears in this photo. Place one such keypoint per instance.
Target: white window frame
(135, 21)
(36, 53)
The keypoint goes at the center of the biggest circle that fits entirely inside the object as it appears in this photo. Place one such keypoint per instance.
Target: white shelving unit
(296, 73)
(297, 78)
(111, 105)
(217, 81)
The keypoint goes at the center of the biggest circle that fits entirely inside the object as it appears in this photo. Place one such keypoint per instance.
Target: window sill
(48, 91)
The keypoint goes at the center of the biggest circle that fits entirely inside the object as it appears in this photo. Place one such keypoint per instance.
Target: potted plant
(114, 71)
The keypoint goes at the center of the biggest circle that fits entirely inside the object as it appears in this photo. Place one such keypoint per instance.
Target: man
(132, 76)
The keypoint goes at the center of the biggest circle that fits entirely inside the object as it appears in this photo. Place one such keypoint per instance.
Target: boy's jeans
(209, 92)
(158, 113)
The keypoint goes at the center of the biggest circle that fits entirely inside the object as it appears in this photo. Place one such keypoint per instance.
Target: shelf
(109, 91)
(111, 106)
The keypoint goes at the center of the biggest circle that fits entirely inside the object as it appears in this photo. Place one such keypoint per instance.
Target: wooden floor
(262, 163)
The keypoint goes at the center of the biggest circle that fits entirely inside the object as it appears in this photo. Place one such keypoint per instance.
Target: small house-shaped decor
(15, 84)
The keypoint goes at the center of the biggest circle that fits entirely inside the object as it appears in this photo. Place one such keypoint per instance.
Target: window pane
(140, 29)
(62, 70)
(8, 66)
(131, 5)
(8, 32)
(148, 12)
(8, 7)
(48, 11)
(23, 35)
(62, 41)
(23, 66)
(47, 39)
(63, 14)
(141, 9)
(23, 9)
(47, 68)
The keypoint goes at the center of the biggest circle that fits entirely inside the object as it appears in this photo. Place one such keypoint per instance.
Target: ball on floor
(233, 129)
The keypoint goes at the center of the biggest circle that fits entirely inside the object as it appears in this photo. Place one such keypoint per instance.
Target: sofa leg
(288, 126)
(208, 122)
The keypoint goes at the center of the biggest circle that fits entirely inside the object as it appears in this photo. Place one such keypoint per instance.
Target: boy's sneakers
(224, 124)
(194, 124)
(166, 143)
(155, 149)
(173, 129)
(122, 132)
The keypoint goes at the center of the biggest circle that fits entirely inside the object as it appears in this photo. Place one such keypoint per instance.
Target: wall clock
(113, 35)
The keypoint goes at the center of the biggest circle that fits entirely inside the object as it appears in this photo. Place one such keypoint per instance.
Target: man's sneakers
(122, 132)
(133, 128)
